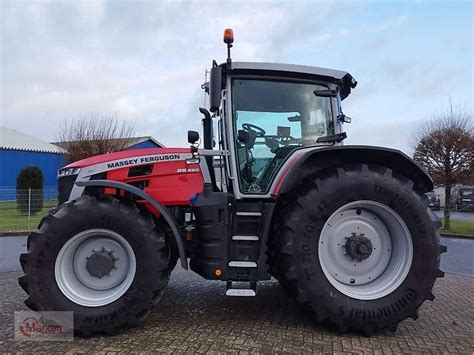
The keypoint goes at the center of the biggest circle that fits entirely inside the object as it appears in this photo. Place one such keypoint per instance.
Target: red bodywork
(172, 183)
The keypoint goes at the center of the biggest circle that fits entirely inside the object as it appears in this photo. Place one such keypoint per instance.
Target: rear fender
(318, 159)
(157, 205)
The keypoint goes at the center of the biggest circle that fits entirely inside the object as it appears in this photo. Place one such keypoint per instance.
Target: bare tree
(444, 146)
(88, 136)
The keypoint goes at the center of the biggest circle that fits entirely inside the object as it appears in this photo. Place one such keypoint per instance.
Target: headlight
(68, 171)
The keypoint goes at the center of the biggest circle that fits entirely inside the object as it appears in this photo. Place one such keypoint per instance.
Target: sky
(144, 61)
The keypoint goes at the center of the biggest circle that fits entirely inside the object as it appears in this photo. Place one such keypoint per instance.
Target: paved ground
(460, 256)
(460, 216)
(194, 316)
(10, 250)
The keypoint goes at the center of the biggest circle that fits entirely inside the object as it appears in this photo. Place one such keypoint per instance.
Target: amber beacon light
(228, 36)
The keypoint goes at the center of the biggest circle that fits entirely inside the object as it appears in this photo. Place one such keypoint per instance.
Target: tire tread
(283, 260)
(153, 235)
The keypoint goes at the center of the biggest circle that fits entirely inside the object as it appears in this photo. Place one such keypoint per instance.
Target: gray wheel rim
(389, 262)
(76, 282)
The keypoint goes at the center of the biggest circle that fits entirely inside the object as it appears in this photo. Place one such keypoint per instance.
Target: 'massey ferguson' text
(147, 159)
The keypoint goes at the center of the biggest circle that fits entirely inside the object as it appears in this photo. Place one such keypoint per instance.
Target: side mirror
(343, 118)
(193, 137)
(215, 88)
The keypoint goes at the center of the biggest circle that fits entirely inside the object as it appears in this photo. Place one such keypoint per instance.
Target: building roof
(14, 140)
(137, 140)
(131, 141)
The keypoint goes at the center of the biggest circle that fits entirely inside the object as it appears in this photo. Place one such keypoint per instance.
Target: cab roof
(341, 78)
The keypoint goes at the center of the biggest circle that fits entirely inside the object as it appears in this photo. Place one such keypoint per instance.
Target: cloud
(145, 60)
(387, 24)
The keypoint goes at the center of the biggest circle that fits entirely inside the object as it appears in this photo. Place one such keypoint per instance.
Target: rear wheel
(357, 248)
(99, 258)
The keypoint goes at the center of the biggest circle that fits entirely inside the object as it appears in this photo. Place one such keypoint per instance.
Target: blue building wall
(12, 161)
(145, 144)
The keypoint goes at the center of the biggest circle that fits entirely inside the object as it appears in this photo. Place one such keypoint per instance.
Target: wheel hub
(95, 267)
(365, 249)
(358, 247)
(100, 263)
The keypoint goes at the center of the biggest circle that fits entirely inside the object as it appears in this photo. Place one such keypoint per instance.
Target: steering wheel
(251, 127)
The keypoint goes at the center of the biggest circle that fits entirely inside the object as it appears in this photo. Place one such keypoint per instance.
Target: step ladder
(247, 250)
(241, 289)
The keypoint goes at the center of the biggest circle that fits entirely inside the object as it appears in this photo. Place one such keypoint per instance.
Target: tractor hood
(104, 158)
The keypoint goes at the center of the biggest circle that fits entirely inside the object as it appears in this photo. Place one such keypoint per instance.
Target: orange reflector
(228, 36)
(218, 272)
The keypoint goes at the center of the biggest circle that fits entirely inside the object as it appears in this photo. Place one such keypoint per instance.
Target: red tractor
(346, 230)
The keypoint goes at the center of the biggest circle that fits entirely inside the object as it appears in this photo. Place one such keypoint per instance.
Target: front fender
(318, 159)
(144, 196)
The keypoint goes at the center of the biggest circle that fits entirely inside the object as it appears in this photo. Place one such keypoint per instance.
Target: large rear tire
(99, 258)
(358, 249)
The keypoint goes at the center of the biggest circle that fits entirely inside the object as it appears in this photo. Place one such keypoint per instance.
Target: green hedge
(29, 185)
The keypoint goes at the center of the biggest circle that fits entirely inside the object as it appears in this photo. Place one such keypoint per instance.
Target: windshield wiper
(325, 93)
(333, 138)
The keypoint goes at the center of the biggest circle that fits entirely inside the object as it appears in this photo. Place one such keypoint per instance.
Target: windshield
(272, 119)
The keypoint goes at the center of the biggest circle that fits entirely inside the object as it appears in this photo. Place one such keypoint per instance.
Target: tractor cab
(267, 116)
(265, 112)
(270, 120)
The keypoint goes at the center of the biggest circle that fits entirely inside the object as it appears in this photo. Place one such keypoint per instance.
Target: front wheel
(358, 249)
(101, 259)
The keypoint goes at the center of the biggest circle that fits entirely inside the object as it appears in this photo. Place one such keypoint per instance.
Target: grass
(465, 228)
(12, 220)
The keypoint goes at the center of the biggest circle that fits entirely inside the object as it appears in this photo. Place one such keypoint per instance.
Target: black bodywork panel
(329, 157)
(212, 235)
(219, 218)
(65, 185)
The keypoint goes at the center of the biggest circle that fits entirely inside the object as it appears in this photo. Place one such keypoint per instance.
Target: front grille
(65, 185)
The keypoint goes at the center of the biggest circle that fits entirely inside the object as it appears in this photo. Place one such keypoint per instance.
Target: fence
(21, 210)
